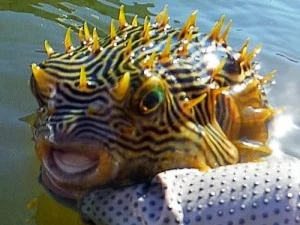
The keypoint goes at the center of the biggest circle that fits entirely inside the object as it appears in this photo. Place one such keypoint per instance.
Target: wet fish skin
(248, 193)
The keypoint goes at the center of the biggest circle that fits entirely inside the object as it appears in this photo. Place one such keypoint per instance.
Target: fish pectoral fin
(252, 151)
(254, 123)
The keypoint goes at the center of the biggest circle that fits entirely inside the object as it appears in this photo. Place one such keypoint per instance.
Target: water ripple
(287, 57)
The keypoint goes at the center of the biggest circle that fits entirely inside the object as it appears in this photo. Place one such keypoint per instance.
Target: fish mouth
(69, 170)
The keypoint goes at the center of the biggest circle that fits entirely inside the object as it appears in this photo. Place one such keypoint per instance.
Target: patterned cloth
(251, 193)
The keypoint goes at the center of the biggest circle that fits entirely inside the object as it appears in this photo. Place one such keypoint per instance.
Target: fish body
(264, 193)
(146, 99)
(176, 110)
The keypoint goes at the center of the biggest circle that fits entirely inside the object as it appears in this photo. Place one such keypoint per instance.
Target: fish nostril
(60, 126)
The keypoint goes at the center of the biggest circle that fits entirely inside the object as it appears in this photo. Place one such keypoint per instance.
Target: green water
(25, 24)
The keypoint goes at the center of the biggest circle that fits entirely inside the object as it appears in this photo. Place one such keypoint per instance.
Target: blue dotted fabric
(263, 193)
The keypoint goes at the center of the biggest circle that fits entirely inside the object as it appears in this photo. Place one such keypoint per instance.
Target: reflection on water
(71, 13)
(25, 24)
(283, 125)
(48, 212)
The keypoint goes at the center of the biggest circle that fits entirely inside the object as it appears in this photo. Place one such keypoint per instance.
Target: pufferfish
(146, 99)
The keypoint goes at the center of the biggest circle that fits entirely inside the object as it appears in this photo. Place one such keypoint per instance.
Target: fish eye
(151, 101)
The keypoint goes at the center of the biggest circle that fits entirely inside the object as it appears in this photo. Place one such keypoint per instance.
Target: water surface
(25, 25)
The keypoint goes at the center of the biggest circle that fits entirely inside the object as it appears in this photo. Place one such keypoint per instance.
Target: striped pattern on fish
(145, 99)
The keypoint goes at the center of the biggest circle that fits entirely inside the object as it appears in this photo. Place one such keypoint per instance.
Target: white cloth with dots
(263, 193)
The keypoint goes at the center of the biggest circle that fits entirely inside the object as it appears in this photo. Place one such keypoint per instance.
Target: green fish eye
(151, 101)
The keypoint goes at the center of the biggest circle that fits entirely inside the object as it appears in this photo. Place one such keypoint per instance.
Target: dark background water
(25, 25)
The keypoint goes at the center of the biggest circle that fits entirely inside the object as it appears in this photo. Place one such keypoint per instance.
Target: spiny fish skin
(247, 193)
(146, 99)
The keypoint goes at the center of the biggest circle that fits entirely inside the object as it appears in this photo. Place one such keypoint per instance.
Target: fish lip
(72, 185)
(67, 196)
(65, 178)
(65, 185)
